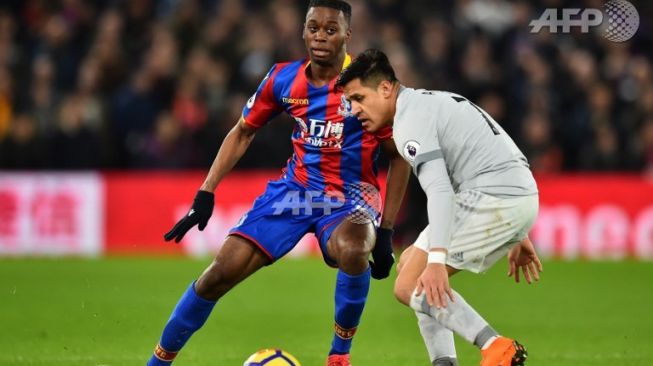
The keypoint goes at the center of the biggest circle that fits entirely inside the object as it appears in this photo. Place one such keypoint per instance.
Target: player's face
(372, 106)
(325, 33)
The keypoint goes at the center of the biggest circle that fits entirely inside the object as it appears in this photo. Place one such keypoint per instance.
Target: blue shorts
(285, 212)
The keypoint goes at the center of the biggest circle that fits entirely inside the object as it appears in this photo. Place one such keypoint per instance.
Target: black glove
(199, 215)
(382, 255)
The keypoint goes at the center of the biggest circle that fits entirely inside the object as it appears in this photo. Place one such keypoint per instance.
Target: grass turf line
(111, 311)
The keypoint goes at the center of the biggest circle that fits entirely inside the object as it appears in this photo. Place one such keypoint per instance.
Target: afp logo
(619, 20)
(410, 149)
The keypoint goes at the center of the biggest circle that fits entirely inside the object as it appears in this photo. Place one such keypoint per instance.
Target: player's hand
(434, 281)
(382, 254)
(199, 215)
(524, 257)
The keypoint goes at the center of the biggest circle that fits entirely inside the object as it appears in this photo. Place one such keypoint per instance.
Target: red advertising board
(141, 207)
(51, 214)
(586, 216)
(595, 216)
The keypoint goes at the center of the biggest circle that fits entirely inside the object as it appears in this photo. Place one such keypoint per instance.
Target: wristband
(437, 257)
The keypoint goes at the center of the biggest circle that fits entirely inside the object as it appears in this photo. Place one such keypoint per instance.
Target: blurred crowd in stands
(157, 84)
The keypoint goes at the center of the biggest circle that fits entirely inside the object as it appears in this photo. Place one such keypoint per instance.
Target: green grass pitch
(68, 312)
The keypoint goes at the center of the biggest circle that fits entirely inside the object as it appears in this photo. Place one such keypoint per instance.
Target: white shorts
(485, 228)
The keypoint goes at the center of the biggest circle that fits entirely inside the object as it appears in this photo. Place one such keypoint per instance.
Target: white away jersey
(477, 152)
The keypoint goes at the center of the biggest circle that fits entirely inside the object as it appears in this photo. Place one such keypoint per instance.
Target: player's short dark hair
(371, 67)
(333, 4)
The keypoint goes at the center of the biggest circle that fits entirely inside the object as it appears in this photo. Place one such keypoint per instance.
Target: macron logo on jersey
(191, 212)
(297, 101)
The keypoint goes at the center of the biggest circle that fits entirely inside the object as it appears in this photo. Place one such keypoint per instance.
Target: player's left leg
(236, 260)
(458, 316)
(349, 246)
(473, 249)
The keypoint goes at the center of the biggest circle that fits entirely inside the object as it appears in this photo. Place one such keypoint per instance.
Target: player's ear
(348, 34)
(304, 31)
(385, 88)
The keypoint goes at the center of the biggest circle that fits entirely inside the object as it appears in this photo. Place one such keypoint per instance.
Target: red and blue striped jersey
(331, 149)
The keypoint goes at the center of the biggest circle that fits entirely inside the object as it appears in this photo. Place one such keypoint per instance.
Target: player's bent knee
(353, 252)
(237, 259)
(350, 250)
(403, 293)
(214, 282)
(403, 258)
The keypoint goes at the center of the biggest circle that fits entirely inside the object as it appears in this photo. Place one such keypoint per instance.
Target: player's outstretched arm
(232, 149)
(523, 256)
(396, 183)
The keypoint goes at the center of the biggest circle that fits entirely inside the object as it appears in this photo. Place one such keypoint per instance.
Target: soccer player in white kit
(482, 202)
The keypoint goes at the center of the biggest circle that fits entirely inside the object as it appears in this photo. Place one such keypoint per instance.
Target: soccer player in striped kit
(329, 187)
(482, 201)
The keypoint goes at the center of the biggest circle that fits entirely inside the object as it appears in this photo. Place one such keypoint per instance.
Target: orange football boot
(504, 352)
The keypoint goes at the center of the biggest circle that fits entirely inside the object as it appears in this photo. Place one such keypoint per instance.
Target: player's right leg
(263, 235)
(438, 339)
(237, 259)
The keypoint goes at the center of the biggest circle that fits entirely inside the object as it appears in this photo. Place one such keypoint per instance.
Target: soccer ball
(271, 357)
